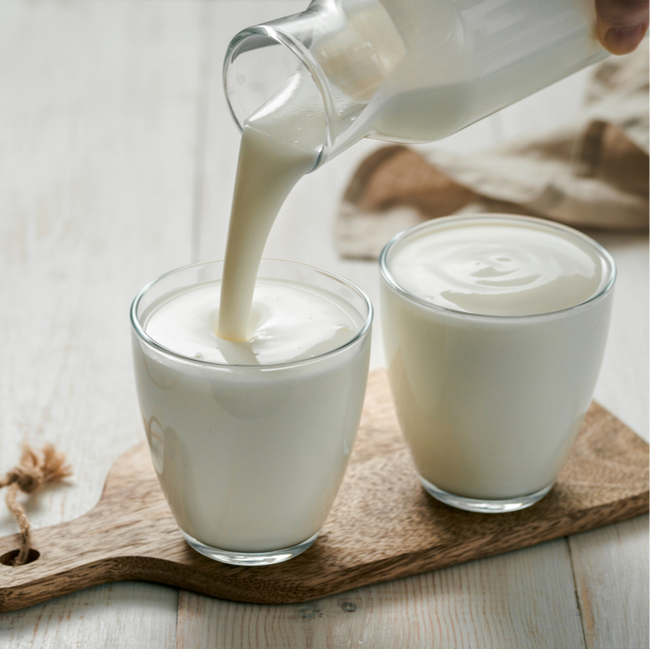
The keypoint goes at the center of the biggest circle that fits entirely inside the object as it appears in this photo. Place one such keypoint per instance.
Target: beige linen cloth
(593, 174)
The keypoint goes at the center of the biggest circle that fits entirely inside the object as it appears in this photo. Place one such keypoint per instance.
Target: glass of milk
(250, 440)
(494, 332)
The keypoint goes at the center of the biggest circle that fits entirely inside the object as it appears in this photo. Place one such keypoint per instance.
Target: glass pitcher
(410, 70)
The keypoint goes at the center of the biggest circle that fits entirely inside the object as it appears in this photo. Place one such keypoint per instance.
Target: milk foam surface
(289, 322)
(499, 269)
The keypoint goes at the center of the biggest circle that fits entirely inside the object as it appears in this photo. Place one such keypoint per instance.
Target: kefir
(494, 332)
(250, 439)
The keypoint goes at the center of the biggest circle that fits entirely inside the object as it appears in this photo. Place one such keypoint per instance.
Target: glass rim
(552, 225)
(141, 333)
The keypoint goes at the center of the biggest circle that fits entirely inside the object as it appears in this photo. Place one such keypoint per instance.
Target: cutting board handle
(98, 547)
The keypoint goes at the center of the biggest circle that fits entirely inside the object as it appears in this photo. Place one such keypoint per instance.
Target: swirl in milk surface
(290, 322)
(498, 269)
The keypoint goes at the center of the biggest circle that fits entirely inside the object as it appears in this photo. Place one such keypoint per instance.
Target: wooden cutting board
(383, 524)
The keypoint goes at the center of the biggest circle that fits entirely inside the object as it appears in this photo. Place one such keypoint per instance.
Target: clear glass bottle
(411, 70)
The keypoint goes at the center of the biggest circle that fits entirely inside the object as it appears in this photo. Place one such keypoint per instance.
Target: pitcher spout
(344, 52)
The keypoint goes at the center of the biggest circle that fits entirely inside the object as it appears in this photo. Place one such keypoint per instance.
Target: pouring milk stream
(400, 71)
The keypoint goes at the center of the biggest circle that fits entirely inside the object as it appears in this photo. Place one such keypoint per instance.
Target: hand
(621, 24)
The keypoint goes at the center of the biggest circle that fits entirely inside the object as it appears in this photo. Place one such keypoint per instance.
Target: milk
(279, 145)
(290, 322)
(250, 439)
(498, 268)
(494, 332)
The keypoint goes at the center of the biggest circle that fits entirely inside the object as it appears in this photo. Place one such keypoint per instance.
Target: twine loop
(33, 472)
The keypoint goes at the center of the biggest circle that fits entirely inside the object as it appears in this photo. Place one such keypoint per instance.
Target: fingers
(621, 24)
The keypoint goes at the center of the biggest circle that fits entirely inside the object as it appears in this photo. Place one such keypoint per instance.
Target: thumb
(621, 24)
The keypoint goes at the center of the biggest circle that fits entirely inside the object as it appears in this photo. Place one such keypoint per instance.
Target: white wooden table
(117, 160)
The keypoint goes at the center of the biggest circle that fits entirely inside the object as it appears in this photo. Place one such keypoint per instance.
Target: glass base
(249, 559)
(485, 505)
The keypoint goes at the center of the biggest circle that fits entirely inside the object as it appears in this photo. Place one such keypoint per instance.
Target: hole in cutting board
(8, 558)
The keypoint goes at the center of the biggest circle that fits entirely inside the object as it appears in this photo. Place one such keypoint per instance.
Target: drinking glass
(250, 457)
(490, 405)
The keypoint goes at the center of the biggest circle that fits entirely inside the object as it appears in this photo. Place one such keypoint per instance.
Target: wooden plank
(97, 135)
(499, 602)
(611, 571)
(121, 615)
